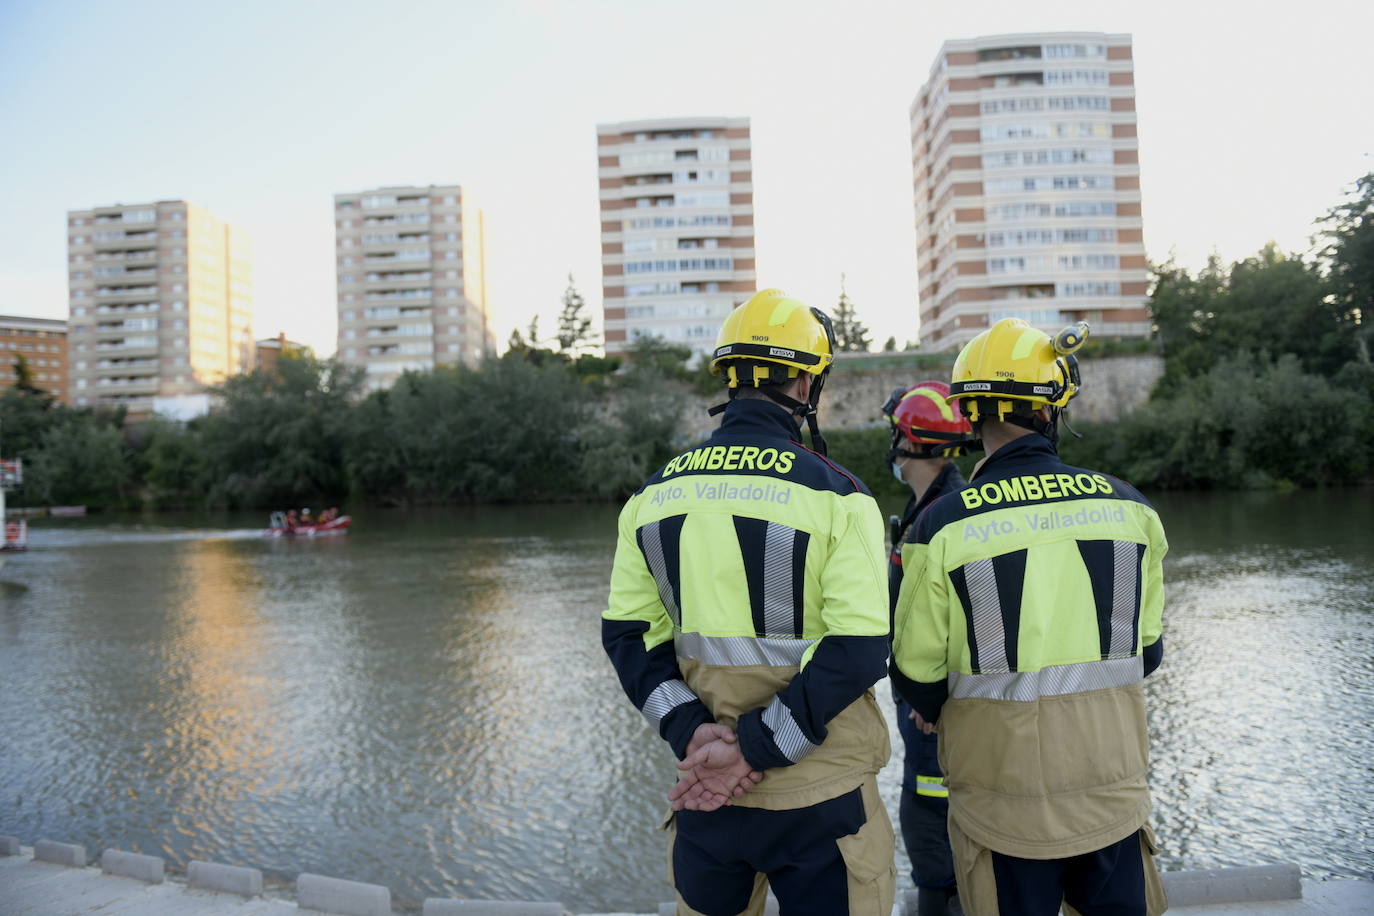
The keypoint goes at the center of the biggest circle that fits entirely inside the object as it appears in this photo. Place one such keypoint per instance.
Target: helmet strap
(720, 408)
(1062, 415)
(794, 407)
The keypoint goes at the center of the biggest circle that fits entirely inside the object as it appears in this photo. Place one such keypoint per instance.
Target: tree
(890, 345)
(279, 437)
(850, 334)
(1348, 259)
(1264, 306)
(653, 352)
(80, 461)
(23, 375)
(574, 329)
(526, 347)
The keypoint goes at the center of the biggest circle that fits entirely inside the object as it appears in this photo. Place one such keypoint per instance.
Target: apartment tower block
(42, 342)
(411, 275)
(677, 228)
(1027, 187)
(161, 303)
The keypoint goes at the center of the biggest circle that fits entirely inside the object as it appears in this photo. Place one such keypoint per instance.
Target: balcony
(129, 346)
(114, 367)
(127, 308)
(399, 219)
(109, 241)
(143, 384)
(138, 254)
(397, 331)
(387, 295)
(399, 279)
(124, 292)
(408, 257)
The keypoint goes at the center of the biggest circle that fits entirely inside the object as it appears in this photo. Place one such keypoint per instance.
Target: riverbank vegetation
(1268, 382)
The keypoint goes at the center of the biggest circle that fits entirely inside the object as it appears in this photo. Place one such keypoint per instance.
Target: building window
(1075, 50)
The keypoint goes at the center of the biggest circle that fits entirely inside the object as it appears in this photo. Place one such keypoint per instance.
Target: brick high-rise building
(43, 344)
(677, 228)
(1028, 187)
(161, 306)
(412, 280)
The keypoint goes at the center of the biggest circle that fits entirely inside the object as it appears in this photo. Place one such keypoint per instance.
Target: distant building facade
(161, 302)
(411, 269)
(43, 344)
(1027, 186)
(677, 228)
(272, 349)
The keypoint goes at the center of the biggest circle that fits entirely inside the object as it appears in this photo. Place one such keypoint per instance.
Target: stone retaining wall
(1112, 386)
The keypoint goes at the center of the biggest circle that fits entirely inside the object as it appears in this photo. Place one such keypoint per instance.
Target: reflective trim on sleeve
(738, 651)
(652, 544)
(787, 734)
(933, 786)
(1057, 680)
(666, 697)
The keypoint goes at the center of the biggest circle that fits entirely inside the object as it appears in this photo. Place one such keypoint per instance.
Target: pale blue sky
(1252, 120)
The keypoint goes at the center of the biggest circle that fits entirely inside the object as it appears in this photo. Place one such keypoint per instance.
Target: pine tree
(850, 334)
(574, 329)
(23, 375)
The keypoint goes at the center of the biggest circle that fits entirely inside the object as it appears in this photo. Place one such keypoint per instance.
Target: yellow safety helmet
(772, 338)
(1013, 368)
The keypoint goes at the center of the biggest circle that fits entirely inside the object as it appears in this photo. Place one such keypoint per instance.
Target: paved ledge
(130, 886)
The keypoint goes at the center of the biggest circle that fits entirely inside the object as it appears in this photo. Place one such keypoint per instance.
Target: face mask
(897, 472)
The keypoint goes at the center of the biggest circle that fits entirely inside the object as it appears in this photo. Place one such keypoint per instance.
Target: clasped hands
(714, 771)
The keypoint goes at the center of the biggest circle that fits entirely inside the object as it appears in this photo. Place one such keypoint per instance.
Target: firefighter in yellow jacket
(748, 623)
(1029, 615)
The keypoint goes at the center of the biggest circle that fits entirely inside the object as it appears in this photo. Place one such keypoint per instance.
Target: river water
(424, 703)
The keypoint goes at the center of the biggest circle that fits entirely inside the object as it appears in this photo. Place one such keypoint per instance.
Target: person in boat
(292, 520)
(1030, 614)
(278, 519)
(306, 517)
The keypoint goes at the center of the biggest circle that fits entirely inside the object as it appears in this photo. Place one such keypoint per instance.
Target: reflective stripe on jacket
(1033, 600)
(749, 589)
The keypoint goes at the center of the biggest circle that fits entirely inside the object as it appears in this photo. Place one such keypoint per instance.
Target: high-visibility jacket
(949, 479)
(748, 589)
(1029, 615)
(920, 772)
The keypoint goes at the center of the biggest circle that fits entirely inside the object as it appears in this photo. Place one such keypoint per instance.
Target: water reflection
(424, 704)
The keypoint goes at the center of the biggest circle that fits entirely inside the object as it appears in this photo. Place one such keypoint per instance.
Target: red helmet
(923, 417)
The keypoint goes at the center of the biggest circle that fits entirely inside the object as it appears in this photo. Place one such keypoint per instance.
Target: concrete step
(30, 886)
